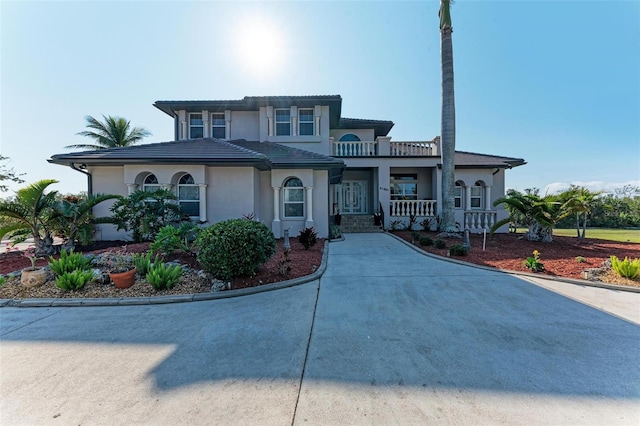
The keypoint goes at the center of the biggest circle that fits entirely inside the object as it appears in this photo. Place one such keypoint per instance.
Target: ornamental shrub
(171, 238)
(234, 247)
(626, 268)
(439, 244)
(74, 280)
(308, 238)
(69, 262)
(162, 277)
(458, 250)
(425, 241)
(142, 262)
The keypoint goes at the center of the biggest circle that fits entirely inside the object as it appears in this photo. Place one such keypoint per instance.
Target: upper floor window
(283, 122)
(189, 196)
(404, 187)
(150, 183)
(196, 126)
(457, 195)
(218, 125)
(293, 198)
(305, 122)
(349, 137)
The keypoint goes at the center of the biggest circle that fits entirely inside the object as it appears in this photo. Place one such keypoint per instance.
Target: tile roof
(465, 159)
(208, 151)
(380, 127)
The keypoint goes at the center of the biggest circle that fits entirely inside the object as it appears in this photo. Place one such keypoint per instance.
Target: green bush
(3, 280)
(335, 232)
(308, 238)
(69, 262)
(74, 280)
(580, 259)
(626, 268)
(162, 277)
(458, 250)
(439, 244)
(142, 262)
(234, 247)
(170, 238)
(425, 241)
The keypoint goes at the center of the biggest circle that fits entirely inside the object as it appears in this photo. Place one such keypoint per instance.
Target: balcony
(383, 147)
(418, 208)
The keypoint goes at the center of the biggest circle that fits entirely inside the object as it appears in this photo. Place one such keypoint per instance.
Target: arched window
(349, 137)
(150, 183)
(189, 196)
(457, 195)
(476, 195)
(293, 198)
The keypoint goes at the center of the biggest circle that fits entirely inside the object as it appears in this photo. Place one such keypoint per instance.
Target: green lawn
(623, 235)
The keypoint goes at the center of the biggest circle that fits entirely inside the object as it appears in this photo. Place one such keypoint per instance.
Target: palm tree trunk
(448, 133)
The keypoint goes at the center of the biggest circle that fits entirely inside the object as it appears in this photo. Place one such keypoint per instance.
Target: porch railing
(479, 220)
(413, 207)
(355, 149)
(407, 149)
(385, 148)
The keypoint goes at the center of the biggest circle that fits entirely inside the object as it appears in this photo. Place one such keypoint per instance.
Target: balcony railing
(479, 220)
(355, 149)
(408, 149)
(385, 148)
(405, 208)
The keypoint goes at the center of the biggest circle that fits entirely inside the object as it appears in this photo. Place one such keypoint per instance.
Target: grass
(621, 235)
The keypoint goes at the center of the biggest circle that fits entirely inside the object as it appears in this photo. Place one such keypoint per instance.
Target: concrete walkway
(387, 336)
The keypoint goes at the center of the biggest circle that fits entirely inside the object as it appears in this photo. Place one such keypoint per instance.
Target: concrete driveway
(387, 336)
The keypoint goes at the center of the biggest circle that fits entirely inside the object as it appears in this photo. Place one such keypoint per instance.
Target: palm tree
(114, 132)
(581, 201)
(540, 213)
(76, 220)
(448, 123)
(31, 213)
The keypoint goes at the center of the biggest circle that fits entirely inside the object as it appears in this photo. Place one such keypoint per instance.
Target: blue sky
(554, 82)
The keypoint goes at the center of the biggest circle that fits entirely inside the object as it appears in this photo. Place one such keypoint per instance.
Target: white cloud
(609, 187)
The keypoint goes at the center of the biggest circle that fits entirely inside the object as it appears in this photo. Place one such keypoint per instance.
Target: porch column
(206, 128)
(467, 196)
(227, 124)
(131, 188)
(275, 224)
(269, 121)
(202, 196)
(487, 198)
(294, 121)
(317, 110)
(309, 198)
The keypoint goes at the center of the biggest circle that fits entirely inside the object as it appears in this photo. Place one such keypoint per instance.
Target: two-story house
(293, 162)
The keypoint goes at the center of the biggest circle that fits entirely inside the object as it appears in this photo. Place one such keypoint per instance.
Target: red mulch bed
(508, 251)
(303, 262)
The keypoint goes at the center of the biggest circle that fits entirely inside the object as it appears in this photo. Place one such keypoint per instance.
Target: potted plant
(377, 218)
(32, 276)
(120, 268)
(338, 218)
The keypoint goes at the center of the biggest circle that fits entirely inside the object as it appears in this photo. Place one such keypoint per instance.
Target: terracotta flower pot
(33, 277)
(123, 279)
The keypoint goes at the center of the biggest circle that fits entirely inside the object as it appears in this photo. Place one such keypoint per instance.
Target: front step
(358, 224)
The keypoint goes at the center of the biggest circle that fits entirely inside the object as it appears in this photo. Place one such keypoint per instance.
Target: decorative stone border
(178, 298)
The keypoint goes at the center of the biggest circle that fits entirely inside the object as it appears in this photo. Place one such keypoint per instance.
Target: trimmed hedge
(234, 247)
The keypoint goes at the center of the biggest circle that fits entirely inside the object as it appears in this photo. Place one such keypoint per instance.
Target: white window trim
(285, 189)
(461, 197)
(478, 197)
(193, 185)
(414, 180)
(310, 121)
(219, 126)
(275, 115)
(154, 186)
(199, 126)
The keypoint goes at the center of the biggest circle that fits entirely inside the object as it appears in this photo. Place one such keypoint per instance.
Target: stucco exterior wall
(108, 180)
(230, 193)
(245, 125)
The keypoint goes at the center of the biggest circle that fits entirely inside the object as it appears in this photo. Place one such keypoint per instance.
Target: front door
(353, 197)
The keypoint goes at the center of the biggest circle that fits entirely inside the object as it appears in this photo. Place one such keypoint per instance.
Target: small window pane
(293, 182)
(476, 191)
(218, 132)
(475, 203)
(195, 119)
(188, 193)
(283, 129)
(186, 180)
(306, 129)
(306, 114)
(217, 119)
(294, 210)
(191, 208)
(283, 115)
(293, 195)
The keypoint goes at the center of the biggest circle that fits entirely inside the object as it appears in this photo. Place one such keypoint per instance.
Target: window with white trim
(404, 187)
(293, 198)
(196, 126)
(476, 196)
(457, 195)
(189, 196)
(283, 122)
(305, 122)
(218, 125)
(150, 183)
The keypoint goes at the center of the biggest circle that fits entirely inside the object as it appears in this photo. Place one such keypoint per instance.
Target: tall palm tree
(448, 123)
(31, 213)
(114, 132)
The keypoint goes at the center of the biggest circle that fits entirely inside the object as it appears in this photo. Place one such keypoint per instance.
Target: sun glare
(259, 47)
